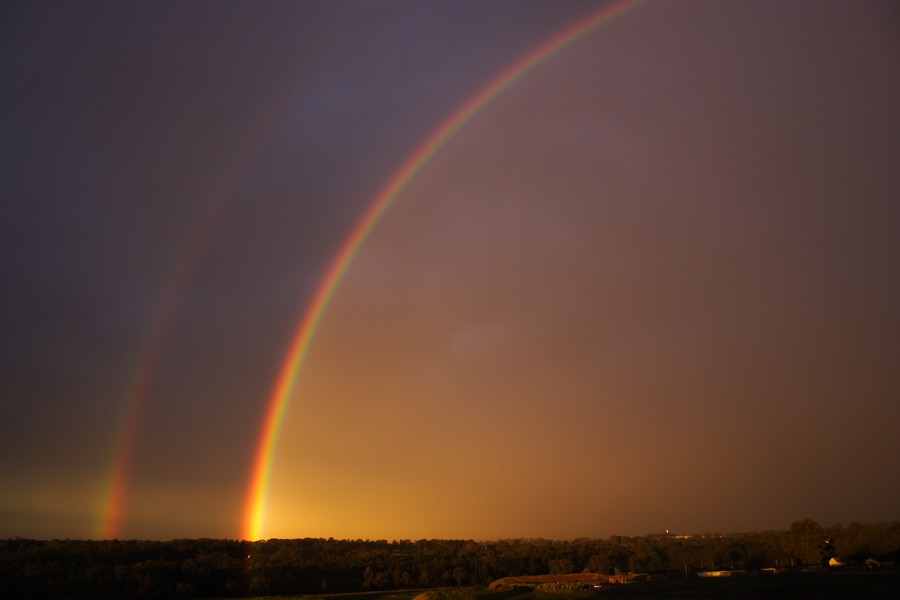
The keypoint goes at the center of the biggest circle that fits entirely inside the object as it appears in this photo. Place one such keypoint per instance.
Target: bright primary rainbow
(254, 515)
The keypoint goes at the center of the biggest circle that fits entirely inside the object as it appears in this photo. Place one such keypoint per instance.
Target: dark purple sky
(653, 285)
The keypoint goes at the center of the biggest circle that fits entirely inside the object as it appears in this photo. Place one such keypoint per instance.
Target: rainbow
(113, 495)
(254, 515)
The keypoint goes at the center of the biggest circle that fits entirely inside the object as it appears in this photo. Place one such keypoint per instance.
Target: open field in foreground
(818, 586)
(828, 586)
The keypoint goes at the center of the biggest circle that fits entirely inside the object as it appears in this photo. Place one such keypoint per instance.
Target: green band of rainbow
(254, 516)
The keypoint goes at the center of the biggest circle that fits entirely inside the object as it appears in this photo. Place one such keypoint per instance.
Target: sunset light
(464, 271)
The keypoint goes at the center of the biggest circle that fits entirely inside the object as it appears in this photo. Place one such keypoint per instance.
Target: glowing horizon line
(254, 514)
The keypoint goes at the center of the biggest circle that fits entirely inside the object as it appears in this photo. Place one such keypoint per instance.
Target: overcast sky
(653, 285)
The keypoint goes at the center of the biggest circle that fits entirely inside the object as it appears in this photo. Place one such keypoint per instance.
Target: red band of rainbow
(254, 516)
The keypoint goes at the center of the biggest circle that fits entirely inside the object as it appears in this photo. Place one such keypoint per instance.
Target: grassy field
(822, 586)
(828, 586)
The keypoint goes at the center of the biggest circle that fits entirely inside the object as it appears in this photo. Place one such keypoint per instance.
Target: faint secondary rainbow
(113, 499)
(254, 514)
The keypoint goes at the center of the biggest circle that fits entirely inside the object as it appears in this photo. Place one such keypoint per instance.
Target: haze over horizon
(653, 285)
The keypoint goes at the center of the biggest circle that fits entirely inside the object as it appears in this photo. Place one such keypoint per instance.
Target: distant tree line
(201, 568)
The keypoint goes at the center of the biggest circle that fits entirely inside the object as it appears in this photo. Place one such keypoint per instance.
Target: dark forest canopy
(209, 567)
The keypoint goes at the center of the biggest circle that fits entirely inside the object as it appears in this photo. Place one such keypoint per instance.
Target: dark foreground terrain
(825, 586)
(861, 563)
(753, 587)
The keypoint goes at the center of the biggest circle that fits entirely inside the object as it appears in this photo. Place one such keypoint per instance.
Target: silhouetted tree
(805, 541)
